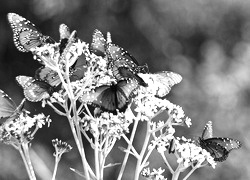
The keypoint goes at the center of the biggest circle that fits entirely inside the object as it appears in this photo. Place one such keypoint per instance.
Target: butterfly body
(25, 34)
(218, 147)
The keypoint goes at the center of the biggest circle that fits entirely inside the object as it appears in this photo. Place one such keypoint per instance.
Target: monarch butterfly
(35, 90)
(218, 147)
(112, 97)
(25, 34)
(8, 108)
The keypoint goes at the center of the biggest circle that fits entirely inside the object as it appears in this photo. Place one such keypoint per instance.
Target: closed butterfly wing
(98, 45)
(25, 34)
(35, 90)
(64, 32)
(48, 75)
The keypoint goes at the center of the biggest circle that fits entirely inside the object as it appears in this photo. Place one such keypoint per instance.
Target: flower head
(60, 147)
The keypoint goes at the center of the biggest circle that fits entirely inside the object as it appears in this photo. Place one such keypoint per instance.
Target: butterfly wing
(165, 81)
(228, 143)
(115, 52)
(25, 34)
(103, 97)
(48, 75)
(217, 151)
(7, 105)
(98, 45)
(208, 131)
(64, 31)
(34, 90)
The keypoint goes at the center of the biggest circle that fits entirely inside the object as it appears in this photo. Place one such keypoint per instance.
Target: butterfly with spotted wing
(35, 90)
(218, 147)
(122, 64)
(8, 108)
(25, 34)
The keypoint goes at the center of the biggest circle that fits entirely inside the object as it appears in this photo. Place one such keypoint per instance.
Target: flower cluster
(189, 154)
(22, 129)
(60, 147)
(156, 174)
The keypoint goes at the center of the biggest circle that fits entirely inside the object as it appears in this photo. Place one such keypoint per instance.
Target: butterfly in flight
(8, 108)
(25, 34)
(122, 64)
(218, 147)
(35, 90)
(112, 97)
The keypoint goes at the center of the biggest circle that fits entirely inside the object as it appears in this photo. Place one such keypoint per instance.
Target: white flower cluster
(156, 174)
(107, 124)
(190, 154)
(21, 129)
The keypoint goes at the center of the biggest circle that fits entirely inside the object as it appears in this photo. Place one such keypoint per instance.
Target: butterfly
(218, 147)
(112, 97)
(25, 34)
(48, 75)
(64, 32)
(163, 81)
(8, 109)
(35, 90)
(122, 64)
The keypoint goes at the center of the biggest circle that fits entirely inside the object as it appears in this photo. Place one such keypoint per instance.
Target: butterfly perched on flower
(48, 75)
(112, 97)
(8, 108)
(160, 83)
(35, 90)
(25, 34)
(218, 147)
(122, 64)
(64, 32)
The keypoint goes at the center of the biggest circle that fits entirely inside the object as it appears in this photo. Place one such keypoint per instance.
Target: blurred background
(206, 41)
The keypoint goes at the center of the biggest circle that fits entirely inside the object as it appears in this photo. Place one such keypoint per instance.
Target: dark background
(206, 41)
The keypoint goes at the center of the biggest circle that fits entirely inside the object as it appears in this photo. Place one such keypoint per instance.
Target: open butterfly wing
(228, 143)
(25, 34)
(217, 151)
(208, 131)
(115, 52)
(103, 97)
(7, 105)
(34, 90)
(98, 45)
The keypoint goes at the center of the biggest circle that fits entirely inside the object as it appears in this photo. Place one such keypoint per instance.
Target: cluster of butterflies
(110, 97)
(218, 147)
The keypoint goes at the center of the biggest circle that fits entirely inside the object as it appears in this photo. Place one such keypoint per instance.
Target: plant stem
(143, 150)
(128, 149)
(23, 149)
(55, 168)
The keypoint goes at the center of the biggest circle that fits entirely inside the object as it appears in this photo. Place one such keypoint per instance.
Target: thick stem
(23, 149)
(143, 150)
